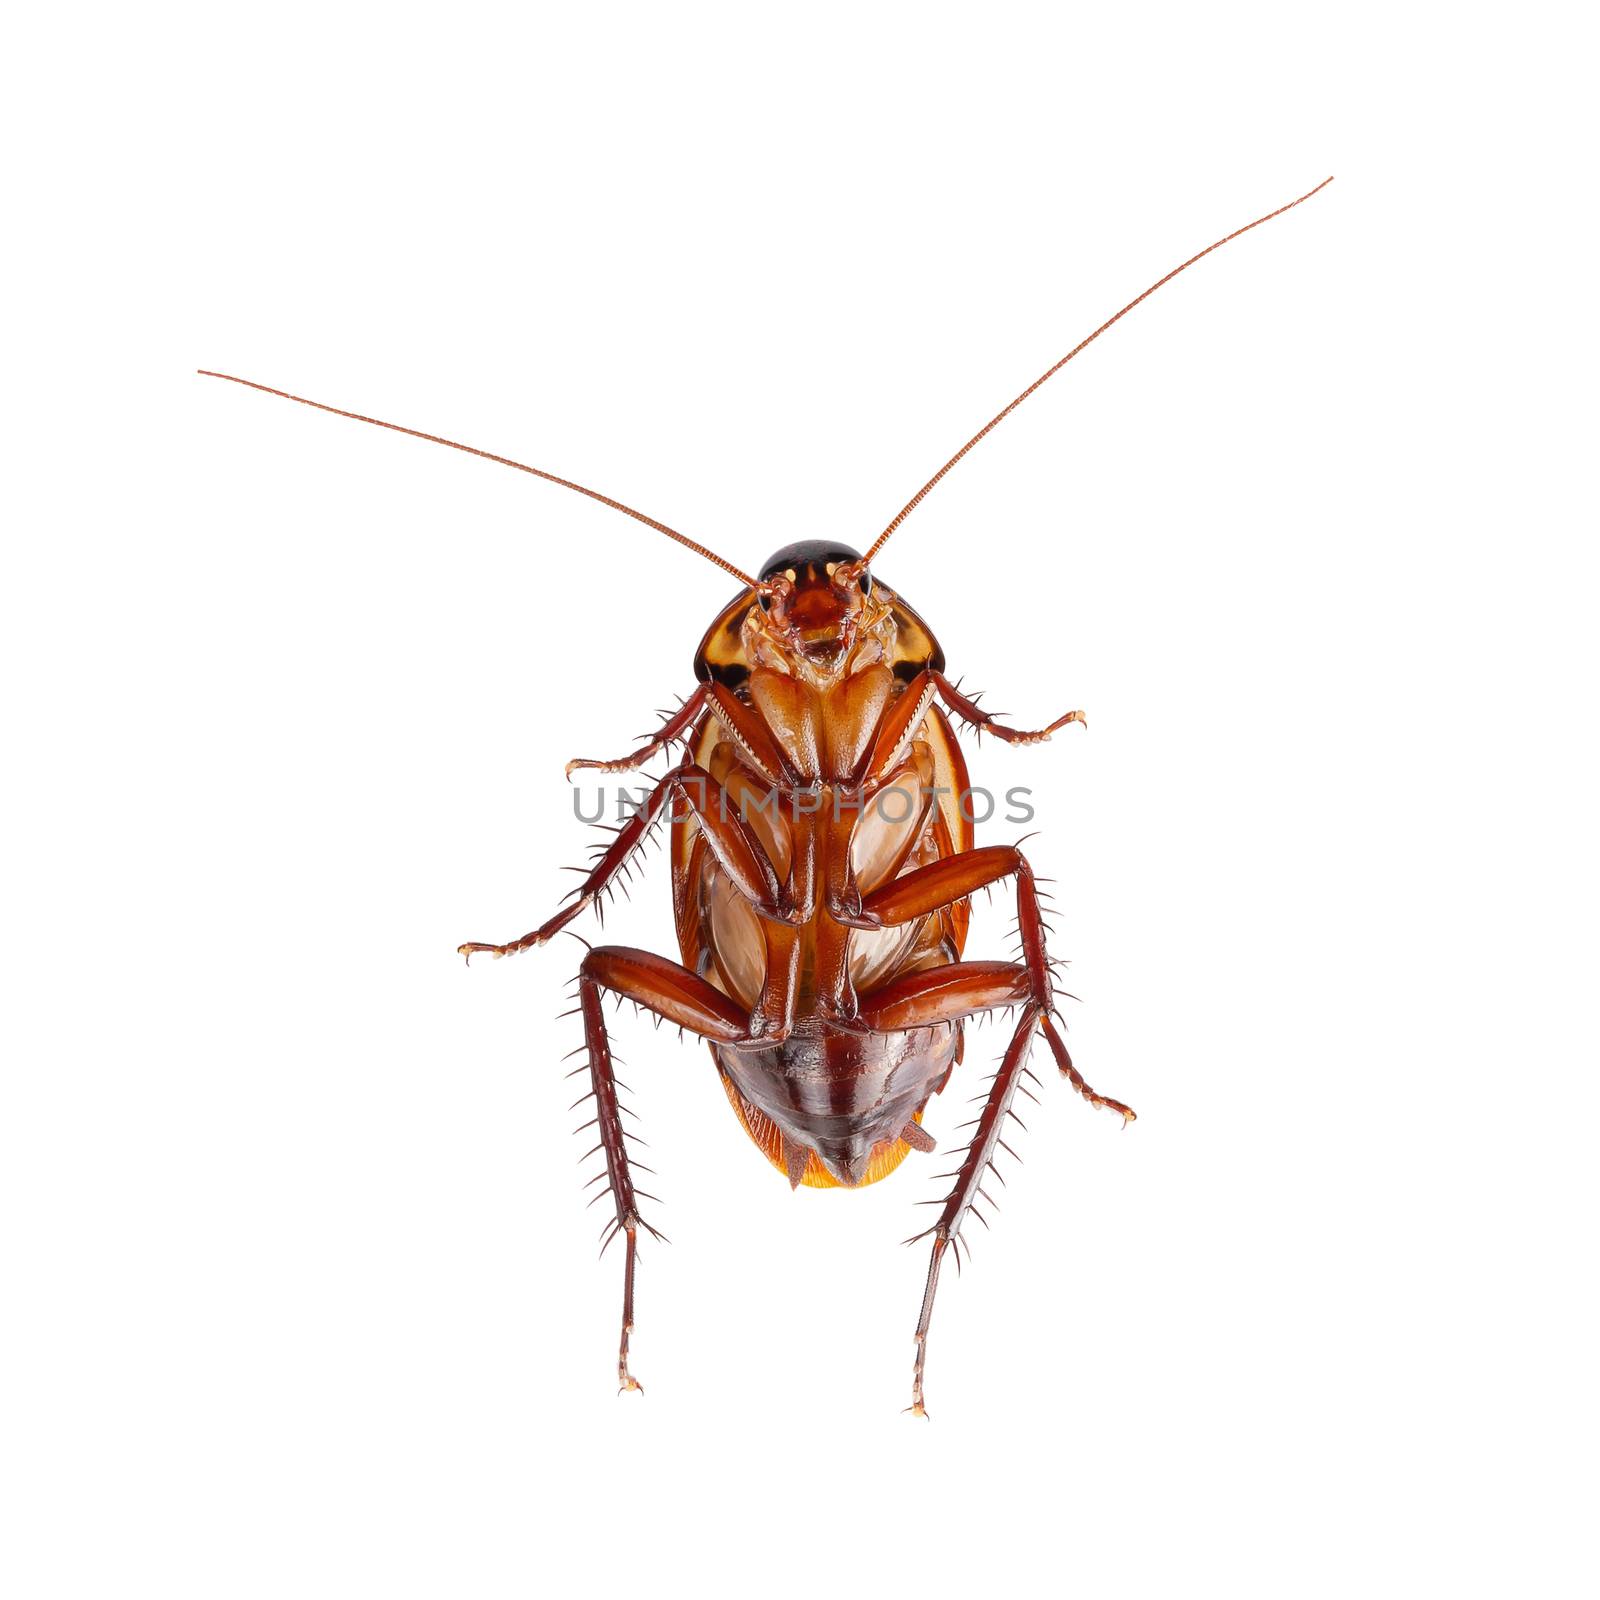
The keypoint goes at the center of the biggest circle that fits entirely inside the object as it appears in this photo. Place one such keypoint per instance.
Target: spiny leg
(676, 726)
(619, 1175)
(899, 726)
(1058, 1048)
(986, 722)
(968, 1188)
(938, 995)
(737, 849)
(672, 992)
(928, 889)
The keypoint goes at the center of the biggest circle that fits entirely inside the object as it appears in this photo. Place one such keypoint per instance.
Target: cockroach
(823, 863)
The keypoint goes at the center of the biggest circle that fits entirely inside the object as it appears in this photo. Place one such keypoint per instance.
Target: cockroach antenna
(504, 461)
(1000, 416)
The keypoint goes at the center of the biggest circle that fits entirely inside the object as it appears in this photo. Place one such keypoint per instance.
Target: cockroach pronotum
(823, 863)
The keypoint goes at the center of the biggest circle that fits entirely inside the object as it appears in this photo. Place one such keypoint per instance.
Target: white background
(301, 1298)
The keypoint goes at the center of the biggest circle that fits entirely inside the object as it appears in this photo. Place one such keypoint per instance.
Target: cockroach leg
(676, 726)
(735, 845)
(945, 994)
(678, 995)
(672, 992)
(953, 992)
(1058, 1048)
(969, 711)
(752, 736)
(940, 1243)
(963, 989)
(969, 1178)
(625, 1379)
(942, 883)
(619, 1176)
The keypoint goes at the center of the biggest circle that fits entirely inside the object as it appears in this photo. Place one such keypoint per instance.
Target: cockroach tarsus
(820, 940)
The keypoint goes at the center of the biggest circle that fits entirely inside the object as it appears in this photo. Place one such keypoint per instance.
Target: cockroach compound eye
(823, 862)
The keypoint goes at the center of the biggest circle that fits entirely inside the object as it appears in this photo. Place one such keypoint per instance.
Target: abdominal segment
(828, 1108)
(884, 1157)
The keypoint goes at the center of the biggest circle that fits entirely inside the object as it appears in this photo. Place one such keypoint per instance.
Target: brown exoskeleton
(822, 864)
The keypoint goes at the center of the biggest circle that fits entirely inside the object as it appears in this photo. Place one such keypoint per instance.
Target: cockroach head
(813, 596)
